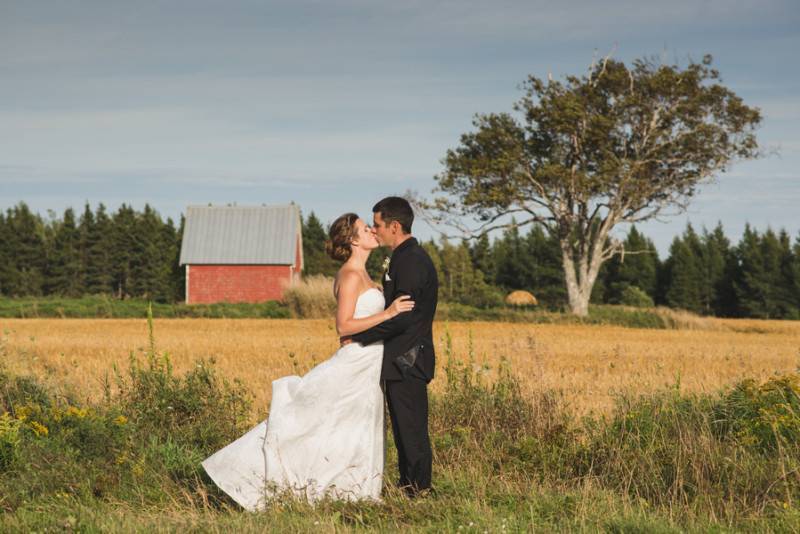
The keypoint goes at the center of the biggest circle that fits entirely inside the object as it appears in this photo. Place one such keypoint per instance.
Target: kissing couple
(324, 437)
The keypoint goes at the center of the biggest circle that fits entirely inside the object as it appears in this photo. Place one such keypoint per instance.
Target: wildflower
(76, 412)
(39, 429)
(23, 412)
(120, 420)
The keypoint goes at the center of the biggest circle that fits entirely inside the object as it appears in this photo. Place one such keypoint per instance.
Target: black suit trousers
(408, 409)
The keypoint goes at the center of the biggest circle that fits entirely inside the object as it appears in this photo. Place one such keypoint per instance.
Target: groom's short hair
(395, 209)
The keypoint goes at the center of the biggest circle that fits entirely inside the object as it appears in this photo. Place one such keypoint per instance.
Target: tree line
(704, 273)
(130, 253)
(127, 253)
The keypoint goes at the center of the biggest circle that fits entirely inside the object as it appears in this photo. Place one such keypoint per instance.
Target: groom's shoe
(427, 493)
(412, 492)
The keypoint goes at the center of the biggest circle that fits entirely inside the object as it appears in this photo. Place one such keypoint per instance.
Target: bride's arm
(346, 324)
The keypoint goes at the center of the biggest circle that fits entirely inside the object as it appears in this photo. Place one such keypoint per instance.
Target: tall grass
(504, 459)
(311, 298)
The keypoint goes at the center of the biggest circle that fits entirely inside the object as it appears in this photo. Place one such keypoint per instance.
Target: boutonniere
(386, 263)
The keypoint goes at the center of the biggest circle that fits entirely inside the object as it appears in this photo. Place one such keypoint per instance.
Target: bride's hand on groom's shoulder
(401, 304)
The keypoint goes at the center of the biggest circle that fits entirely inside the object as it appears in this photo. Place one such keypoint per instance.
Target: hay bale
(521, 298)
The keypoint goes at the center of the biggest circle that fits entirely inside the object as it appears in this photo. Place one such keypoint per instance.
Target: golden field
(588, 364)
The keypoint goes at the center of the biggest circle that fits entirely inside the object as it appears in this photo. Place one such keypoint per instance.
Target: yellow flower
(121, 420)
(23, 412)
(39, 429)
(76, 412)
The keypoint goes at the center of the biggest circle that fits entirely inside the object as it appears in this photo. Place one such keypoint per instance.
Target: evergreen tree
(26, 233)
(64, 265)
(795, 269)
(6, 253)
(482, 258)
(150, 265)
(86, 235)
(179, 271)
(637, 267)
(683, 273)
(720, 271)
(511, 261)
(752, 280)
(459, 281)
(99, 243)
(783, 295)
(433, 251)
(124, 250)
(315, 259)
(169, 261)
(544, 276)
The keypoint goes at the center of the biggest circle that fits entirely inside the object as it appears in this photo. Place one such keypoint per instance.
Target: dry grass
(311, 297)
(590, 364)
(521, 298)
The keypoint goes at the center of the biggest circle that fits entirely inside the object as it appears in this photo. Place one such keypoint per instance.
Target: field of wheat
(590, 365)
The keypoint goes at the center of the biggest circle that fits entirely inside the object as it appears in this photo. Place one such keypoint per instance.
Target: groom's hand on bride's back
(401, 304)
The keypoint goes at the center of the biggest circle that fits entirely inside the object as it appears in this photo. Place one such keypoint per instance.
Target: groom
(408, 356)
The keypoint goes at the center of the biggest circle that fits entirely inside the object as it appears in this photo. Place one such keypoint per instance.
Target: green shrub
(198, 409)
(105, 306)
(766, 416)
(633, 296)
(143, 443)
(9, 440)
(717, 454)
(493, 423)
(20, 390)
(623, 316)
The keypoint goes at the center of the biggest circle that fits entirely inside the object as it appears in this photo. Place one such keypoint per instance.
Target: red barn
(240, 253)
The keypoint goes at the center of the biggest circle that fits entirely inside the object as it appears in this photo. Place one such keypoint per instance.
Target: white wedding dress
(324, 434)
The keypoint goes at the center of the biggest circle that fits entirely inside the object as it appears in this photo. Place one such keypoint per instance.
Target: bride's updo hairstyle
(341, 234)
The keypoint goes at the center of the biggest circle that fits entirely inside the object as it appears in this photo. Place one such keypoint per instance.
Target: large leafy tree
(619, 144)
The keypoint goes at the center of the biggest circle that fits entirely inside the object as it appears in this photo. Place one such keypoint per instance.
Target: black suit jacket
(411, 272)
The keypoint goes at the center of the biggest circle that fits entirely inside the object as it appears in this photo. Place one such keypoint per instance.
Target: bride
(324, 435)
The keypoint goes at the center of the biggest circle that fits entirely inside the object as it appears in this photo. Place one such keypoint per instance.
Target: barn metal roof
(240, 235)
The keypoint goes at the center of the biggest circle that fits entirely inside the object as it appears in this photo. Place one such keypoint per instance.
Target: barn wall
(236, 283)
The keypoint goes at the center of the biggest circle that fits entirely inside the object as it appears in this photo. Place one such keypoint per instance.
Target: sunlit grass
(589, 364)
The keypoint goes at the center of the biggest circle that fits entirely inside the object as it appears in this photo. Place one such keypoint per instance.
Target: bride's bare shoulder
(347, 279)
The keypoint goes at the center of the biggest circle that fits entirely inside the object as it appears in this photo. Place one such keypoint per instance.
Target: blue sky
(336, 104)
